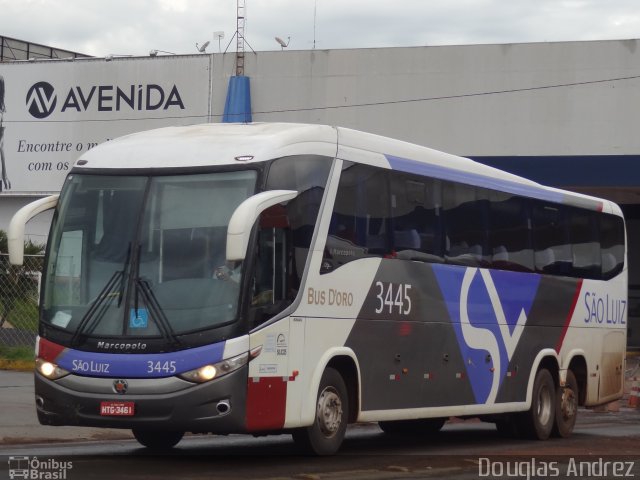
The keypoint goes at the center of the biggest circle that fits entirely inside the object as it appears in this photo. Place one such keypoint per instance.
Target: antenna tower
(240, 20)
(241, 17)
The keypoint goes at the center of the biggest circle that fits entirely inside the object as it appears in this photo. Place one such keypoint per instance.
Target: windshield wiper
(100, 302)
(150, 299)
(164, 325)
(105, 294)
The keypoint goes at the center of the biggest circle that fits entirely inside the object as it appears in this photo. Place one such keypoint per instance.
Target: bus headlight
(215, 370)
(50, 370)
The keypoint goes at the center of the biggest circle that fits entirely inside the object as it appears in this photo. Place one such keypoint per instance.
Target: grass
(16, 353)
(23, 314)
(16, 358)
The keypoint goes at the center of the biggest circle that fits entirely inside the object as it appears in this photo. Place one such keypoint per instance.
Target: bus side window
(465, 216)
(359, 225)
(307, 175)
(550, 239)
(611, 245)
(415, 218)
(285, 233)
(585, 244)
(509, 236)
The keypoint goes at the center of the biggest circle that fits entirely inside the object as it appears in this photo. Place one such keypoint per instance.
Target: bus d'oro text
(331, 296)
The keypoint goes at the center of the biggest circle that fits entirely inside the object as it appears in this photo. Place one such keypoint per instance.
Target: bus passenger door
(275, 286)
(272, 398)
(272, 288)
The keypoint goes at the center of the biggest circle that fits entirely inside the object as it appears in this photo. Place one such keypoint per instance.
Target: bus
(271, 278)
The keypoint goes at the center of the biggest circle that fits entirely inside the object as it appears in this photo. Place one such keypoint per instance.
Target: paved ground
(19, 423)
(456, 453)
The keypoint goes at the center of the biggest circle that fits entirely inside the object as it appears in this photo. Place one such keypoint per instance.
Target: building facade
(564, 114)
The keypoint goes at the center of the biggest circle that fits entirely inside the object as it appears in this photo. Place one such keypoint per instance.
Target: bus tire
(326, 434)
(424, 426)
(566, 407)
(537, 423)
(157, 440)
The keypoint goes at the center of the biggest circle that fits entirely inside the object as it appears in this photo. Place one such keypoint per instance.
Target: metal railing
(19, 299)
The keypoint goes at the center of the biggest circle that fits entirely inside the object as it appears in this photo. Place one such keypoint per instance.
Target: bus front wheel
(157, 440)
(326, 434)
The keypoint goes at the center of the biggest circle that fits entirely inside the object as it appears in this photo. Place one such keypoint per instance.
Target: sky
(135, 27)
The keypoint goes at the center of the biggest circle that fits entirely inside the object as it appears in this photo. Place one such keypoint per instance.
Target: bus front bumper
(169, 404)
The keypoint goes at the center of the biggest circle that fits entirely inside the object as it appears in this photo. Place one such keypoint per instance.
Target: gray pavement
(19, 422)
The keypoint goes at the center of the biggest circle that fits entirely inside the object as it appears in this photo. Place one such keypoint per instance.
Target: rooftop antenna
(282, 43)
(203, 48)
(219, 36)
(315, 11)
(240, 20)
(239, 36)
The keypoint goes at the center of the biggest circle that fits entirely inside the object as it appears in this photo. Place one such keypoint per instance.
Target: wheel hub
(568, 404)
(544, 406)
(329, 411)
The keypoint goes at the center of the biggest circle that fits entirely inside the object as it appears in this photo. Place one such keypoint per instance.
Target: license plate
(117, 409)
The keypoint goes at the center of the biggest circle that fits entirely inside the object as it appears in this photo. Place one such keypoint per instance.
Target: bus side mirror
(244, 217)
(15, 234)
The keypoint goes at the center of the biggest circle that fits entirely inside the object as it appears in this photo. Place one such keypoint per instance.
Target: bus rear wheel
(157, 440)
(566, 407)
(326, 434)
(538, 421)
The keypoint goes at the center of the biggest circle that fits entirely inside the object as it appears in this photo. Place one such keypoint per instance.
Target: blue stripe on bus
(516, 293)
(127, 365)
(444, 173)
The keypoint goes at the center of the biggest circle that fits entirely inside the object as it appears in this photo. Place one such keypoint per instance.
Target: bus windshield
(143, 256)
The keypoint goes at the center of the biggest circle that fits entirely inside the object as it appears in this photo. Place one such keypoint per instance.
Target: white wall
(593, 119)
(297, 86)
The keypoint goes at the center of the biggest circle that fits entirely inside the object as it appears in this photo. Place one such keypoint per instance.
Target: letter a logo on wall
(41, 100)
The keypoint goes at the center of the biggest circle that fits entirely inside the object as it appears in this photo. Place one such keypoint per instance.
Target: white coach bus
(266, 278)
